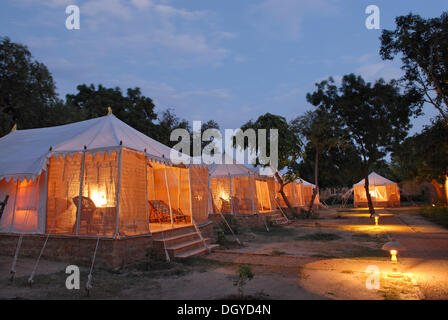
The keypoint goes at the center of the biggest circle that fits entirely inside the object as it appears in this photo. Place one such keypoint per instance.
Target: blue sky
(211, 59)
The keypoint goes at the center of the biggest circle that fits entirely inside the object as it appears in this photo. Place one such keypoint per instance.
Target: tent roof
(304, 183)
(24, 152)
(229, 166)
(375, 179)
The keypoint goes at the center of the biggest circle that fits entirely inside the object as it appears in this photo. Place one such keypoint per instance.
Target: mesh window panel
(220, 192)
(63, 187)
(25, 196)
(99, 192)
(133, 215)
(199, 190)
(241, 195)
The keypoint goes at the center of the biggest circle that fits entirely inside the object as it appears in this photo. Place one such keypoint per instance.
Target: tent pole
(146, 193)
(178, 187)
(117, 234)
(45, 198)
(81, 180)
(231, 200)
(210, 198)
(191, 194)
(169, 196)
(251, 194)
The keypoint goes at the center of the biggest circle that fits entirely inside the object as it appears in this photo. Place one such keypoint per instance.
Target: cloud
(284, 18)
(385, 69)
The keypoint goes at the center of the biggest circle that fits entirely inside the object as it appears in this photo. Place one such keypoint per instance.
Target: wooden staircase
(182, 242)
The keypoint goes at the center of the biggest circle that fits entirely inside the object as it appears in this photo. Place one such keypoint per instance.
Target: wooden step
(180, 248)
(196, 252)
(178, 239)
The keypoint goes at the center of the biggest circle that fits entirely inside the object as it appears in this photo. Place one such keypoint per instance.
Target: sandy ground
(326, 258)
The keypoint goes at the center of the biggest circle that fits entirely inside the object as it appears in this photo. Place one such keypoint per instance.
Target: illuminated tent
(236, 189)
(307, 192)
(384, 193)
(96, 177)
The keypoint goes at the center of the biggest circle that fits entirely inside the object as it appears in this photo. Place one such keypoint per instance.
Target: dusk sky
(230, 61)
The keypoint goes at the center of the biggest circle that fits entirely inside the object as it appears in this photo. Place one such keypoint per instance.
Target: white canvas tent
(100, 170)
(383, 192)
(307, 192)
(234, 188)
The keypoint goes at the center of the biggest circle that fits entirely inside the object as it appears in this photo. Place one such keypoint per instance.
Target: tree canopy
(422, 45)
(375, 117)
(27, 89)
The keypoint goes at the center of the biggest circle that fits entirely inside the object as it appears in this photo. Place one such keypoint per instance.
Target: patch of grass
(278, 252)
(274, 231)
(436, 214)
(319, 236)
(365, 237)
(360, 252)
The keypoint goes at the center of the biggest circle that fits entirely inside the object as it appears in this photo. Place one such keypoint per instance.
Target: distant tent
(96, 177)
(307, 192)
(384, 193)
(236, 189)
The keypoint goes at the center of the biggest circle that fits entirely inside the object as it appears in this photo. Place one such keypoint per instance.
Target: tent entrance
(264, 201)
(169, 197)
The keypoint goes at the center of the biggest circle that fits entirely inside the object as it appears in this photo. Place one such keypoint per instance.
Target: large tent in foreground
(97, 177)
(236, 189)
(384, 193)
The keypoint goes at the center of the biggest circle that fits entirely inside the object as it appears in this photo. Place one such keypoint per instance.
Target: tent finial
(14, 128)
(109, 110)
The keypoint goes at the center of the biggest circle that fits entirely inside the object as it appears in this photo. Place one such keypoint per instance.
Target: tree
(244, 274)
(374, 117)
(317, 128)
(27, 90)
(289, 148)
(424, 157)
(423, 44)
(338, 166)
(168, 122)
(134, 108)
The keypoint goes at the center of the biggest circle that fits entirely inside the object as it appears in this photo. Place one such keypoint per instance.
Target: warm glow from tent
(225, 196)
(99, 198)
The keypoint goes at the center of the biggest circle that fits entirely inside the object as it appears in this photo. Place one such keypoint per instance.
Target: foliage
(422, 44)
(27, 90)
(375, 117)
(424, 156)
(133, 108)
(436, 214)
(244, 274)
(233, 223)
(168, 121)
(289, 142)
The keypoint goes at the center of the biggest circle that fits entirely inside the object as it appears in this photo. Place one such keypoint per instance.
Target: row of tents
(103, 177)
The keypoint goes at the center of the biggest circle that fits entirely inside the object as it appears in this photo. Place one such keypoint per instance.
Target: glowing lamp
(393, 247)
(99, 198)
(376, 216)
